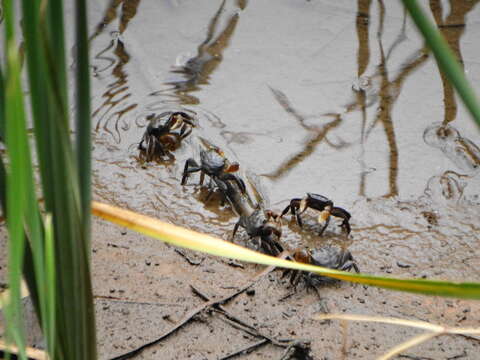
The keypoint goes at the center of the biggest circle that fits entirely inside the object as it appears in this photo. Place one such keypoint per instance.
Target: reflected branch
(118, 88)
(363, 59)
(312, 142)
(363, 22)
(129, 10)
(452, 30)
(388, 95)
(197, 70)
(117, 92)
(287, 106)
(384, 114)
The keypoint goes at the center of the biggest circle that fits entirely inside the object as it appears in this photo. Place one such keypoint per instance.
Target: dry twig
(433, 330)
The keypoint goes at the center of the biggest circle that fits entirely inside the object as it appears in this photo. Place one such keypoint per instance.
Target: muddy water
(349, 105)
(340, 99)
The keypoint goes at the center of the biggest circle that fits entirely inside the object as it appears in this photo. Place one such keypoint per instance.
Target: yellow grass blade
(434, 329)
(385, 320)
(32, 353)
(408, 344)
(208, 244)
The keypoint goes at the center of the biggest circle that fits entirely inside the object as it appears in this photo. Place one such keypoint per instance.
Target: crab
(320, 203)
(329, 256)
(214, 163)
(264, 224)
(258, 222)
(160, 138)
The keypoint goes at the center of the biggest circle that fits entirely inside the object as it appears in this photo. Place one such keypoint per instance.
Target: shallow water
(336, 99)
(339, 99)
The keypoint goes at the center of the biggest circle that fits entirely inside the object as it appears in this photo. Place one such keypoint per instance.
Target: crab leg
(191, 166)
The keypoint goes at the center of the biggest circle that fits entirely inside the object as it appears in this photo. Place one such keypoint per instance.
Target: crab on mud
(324, 205)
(214, 163)
(160, 138)
(258, 222)
(264, 224)
(329, 256)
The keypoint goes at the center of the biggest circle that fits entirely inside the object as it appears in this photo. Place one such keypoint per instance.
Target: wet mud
(340, 99)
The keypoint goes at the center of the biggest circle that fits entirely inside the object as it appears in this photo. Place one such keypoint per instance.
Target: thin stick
(245, 350)
(240, 324)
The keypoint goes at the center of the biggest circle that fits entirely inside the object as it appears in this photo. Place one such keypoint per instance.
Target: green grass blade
(2, 106)
(37, 80)
(54, 29)
(75, 330)
(446, 60)
(49, 288)
(16, 179)
(83, 121)
(28, 268)
(205, 243)
(3, 188)
(3, 173)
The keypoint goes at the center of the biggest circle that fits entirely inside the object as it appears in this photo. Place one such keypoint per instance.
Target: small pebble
(403, 265)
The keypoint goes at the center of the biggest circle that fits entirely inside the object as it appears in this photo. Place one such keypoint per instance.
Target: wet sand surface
(336, 98)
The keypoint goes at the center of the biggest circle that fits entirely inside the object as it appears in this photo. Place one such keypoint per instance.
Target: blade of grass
(446, 60)
(37, 80)
(34, 257)
(205, 243)
(49, 287)
(16, 180)
(75, 330)
(2, 106)
(385, 320)
(53, 26)
(416, 340)
(28, 259)
(403, 322)
(433, 329)
(3, 173)
(83, 126)
(3, 188)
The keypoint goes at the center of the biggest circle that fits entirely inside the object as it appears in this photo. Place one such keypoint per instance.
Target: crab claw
(303, 205)
(324, 218)
(233, 167)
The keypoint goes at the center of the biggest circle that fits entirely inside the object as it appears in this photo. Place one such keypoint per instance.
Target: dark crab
(322, 204)
(214, 163)
(264, 224)
(160, 138)
(329, 256)
(258, 222)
